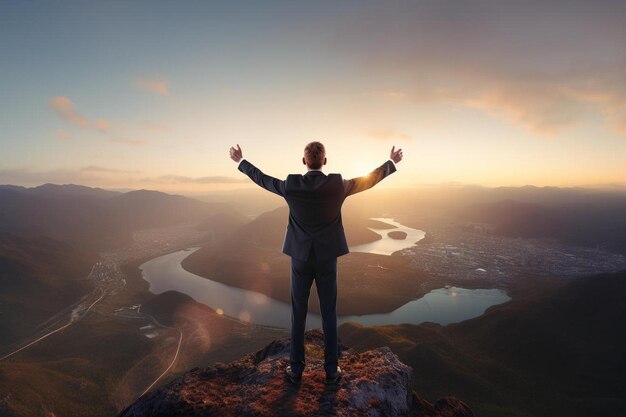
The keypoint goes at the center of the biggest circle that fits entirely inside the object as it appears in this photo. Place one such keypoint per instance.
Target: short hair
(314, 154)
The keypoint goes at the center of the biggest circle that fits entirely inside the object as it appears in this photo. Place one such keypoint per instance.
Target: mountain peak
(374, 383)
(63, 190)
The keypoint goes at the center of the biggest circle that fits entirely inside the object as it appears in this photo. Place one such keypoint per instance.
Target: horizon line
(616, 186)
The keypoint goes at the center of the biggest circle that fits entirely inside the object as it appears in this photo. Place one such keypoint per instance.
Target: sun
(362, 167)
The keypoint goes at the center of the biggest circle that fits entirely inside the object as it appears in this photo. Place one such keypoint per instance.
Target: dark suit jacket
(315, 201)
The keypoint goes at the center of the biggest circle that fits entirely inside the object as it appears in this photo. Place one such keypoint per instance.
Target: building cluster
(464, 252)
(153, 242)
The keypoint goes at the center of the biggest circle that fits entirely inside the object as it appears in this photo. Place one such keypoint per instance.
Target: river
(443, 305)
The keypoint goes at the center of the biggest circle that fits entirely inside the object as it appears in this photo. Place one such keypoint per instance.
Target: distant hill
(81, 218)
(38, 278)
(72, 190)
(62, 190)
(93, 217)
(166, 305)
(557, 352)
(222, 224)
(589, 223)
(515, 218)
(145, 209)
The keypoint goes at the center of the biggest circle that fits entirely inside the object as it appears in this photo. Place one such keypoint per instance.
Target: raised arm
(268, 182)
(356, 185)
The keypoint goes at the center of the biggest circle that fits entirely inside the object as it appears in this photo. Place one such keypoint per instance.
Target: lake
(443, 305)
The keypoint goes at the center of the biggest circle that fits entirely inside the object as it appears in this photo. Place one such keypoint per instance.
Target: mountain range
(94, 218)
(50, 236)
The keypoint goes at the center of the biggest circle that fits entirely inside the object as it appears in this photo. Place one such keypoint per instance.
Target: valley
(86, 337)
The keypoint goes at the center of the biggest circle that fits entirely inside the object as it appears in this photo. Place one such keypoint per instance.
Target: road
(180, 341)
(73, 319)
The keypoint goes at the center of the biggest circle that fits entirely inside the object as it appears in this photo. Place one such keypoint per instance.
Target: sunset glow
(153, 94)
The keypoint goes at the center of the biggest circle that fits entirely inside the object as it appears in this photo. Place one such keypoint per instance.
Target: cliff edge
(374, 383)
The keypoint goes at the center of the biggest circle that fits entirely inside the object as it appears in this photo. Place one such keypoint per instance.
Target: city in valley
(458, 252)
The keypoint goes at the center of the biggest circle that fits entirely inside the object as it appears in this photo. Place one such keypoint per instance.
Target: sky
(150, 94)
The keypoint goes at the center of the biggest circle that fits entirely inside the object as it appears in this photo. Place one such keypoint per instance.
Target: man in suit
(314, 239)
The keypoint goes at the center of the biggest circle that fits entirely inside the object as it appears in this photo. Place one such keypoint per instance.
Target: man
(314, 239)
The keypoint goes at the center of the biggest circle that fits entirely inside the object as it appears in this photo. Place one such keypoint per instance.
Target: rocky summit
(374, 383)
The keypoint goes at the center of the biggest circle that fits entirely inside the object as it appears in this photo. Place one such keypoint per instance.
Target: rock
(397, 234)
(374, 383)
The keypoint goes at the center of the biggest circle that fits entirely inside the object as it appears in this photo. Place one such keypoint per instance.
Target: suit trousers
(325, 275)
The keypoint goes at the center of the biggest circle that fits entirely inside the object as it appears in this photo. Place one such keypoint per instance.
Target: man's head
(314, 155)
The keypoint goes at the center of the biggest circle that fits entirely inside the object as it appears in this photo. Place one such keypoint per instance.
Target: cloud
(22, 176)
(535, 64)
(101, 124)
(619, 125)
(99, 176)
(542, 105)
(180, 179)
(390, 94)
(92, 175)
(94, 168)
(543, 109)
(127, 141)
(154, 127)
(115, 132)
(63, 134)
(609, 99)
(388, 134)
(155, 85)
(65, 109)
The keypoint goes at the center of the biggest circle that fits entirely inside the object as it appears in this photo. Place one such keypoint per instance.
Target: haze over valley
(72, 282)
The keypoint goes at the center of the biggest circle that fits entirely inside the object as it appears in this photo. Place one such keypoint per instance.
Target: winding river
(443, 306)
(387, 245)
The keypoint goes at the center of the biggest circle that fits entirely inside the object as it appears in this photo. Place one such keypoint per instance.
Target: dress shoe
(333, 378)
(292, 376)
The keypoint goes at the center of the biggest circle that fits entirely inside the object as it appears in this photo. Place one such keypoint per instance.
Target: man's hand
(236, 154)
(395, 156)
